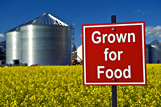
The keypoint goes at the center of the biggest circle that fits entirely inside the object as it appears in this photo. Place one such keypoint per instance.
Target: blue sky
(16, 12)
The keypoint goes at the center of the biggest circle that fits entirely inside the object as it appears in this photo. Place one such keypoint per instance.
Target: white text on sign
(109, 73)
(98, 37)
(116, 55)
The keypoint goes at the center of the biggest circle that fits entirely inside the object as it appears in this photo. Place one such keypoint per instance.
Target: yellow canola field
(54, 86)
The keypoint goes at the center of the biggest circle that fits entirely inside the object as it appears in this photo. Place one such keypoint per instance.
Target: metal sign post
(114, 87)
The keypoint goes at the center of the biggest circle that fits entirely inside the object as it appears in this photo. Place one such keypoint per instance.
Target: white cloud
(2, 37)
(139, 11)
(81, 35)
(153, 31)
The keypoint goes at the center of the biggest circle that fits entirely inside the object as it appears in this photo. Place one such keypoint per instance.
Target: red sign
(114, 54)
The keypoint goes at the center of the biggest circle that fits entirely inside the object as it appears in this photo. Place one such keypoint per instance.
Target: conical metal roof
(44, 19)
(16, 28)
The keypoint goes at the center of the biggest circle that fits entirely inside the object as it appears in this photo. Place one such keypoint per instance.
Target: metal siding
(147, 53)
(13, 46)
(51, 45)
(155, 53)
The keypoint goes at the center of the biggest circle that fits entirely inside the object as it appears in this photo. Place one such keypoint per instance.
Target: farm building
(153, 52)
(44, 40)
(79, 54)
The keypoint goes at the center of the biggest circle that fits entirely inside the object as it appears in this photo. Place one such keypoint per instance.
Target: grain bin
(148, 53)
(46, 41)
(155, 54)
(13, 45)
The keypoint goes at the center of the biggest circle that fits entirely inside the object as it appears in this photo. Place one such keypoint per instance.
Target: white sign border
(117, 83)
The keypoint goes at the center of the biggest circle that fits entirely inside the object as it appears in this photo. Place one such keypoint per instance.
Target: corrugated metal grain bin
(13, 46)
(46, 41)
(155, 53)
(148, 53)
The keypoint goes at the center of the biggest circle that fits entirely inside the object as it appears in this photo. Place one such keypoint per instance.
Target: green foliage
(63, 86)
